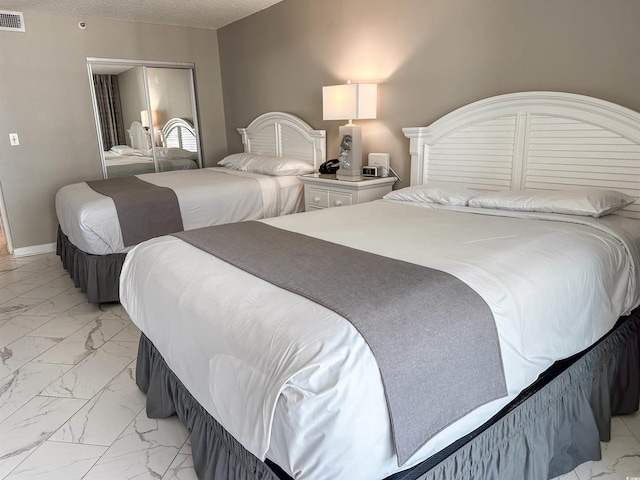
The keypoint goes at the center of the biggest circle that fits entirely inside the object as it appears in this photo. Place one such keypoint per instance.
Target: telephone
(330, 166)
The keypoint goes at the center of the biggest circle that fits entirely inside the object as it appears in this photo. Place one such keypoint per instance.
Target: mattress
(206, 197)
(310, 396)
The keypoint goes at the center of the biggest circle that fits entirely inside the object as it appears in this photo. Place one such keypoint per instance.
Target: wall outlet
(380, 160)
(14, 140)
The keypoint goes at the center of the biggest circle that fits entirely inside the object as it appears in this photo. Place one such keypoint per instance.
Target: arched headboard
(531, 140)
(284, 135)
(140, 139)
(179, 133)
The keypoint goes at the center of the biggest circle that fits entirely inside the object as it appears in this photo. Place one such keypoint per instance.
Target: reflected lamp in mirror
(144, 119)
(352, 101)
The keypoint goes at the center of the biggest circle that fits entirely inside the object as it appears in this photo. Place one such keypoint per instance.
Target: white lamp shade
(352, 101)
(144, 118)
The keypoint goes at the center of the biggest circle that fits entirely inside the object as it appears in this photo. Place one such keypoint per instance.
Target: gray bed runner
(144, 210)
(433, 337)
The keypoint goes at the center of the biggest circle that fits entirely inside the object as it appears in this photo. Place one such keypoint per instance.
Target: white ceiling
(192, 13)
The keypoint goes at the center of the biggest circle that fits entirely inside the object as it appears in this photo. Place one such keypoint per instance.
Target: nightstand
(325, 191)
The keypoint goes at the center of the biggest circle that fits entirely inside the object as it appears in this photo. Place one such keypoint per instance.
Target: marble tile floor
(69, 406)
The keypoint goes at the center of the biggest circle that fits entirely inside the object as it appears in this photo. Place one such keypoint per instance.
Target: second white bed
(310, 395)
(206, 197)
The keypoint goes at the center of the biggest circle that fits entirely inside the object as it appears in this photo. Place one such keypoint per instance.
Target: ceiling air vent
(11, 21)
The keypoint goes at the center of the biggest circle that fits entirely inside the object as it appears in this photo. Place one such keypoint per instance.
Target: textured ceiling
(192, 13)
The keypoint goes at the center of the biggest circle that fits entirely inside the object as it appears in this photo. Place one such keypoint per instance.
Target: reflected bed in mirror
(178, 150)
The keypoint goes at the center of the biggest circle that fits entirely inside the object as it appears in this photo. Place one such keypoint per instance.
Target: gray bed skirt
(551, 428)
(96, 275)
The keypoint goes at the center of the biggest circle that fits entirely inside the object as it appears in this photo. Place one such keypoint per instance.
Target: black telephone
(330, 166)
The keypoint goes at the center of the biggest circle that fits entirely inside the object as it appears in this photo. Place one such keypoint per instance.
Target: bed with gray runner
(402, 310)
(144, 210)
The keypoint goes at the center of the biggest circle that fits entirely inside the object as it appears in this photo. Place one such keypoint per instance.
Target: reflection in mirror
(146, 117)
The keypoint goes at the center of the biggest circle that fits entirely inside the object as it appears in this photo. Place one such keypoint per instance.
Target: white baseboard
(34, 250)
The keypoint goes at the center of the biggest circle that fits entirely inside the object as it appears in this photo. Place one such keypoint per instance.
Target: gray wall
(131, 86)
(428, 57)
(169, 94)
(45, 98)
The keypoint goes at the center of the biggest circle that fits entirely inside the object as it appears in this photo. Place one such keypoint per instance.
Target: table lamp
(352, 101)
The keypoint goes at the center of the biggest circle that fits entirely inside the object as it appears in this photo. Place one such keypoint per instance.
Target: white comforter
(209, 196)
(295, 382)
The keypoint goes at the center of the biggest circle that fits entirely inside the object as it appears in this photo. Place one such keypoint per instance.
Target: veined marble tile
(568, 476)
(58, 461)
(26, 429)
(11, 276)
(39, 276)
(25, 383)
(45, 291)
(633, 423)
(620, 460)
(13, 290)
(43, 266)
(64, 324)
(145, 450)
(17, 306)
(106, 415)
(181, 469)
(62, 281)
(84, 342)
(186, 448)
(619, 428)
(23, 350)
(19, 326)
(113, 310)
(85, 308)
(8, 264)
(94, 372)
(58, 304)
(130, 333)
(47, 258)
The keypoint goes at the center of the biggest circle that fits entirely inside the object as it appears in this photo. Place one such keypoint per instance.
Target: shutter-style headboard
(531, 140)
(179, 133)
(284, 135)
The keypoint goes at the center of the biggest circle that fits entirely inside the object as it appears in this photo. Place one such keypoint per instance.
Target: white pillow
(594, 202)
(442, 194)
(174, 153)
(266, 165)
(126, 151)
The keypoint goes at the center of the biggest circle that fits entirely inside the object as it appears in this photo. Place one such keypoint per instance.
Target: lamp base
(350, 153)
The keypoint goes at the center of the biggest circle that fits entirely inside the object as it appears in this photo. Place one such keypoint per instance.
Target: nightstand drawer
(339, 199)
(318, 198)
(329, 192)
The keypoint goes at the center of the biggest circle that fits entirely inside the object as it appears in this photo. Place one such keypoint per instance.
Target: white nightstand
(325, 191)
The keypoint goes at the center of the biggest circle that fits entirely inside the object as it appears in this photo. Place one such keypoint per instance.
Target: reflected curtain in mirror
(109, 110)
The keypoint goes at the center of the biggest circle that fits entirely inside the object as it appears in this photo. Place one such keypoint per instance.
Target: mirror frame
(96, 61)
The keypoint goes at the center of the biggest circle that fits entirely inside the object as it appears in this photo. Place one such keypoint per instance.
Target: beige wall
(131, 87)
(428, 56)
(45, 98)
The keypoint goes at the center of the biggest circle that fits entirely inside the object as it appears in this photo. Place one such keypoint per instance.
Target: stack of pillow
(267, 165)
(594, 202)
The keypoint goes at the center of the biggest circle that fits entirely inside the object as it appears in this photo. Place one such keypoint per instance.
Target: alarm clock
(369, 171)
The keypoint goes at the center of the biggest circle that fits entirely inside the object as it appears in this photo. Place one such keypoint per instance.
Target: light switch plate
(13, 138)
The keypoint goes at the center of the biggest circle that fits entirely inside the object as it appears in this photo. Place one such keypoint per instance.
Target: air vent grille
(11, 21)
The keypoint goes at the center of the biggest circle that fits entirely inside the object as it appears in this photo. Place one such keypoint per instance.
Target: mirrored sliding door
(146, 116)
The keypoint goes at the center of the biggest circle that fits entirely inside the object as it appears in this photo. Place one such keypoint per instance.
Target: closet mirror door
(146, 116)
(172, 118)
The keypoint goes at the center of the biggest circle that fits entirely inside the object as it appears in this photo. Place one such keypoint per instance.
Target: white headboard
(284, 135)
(139, 136)
(531, 140)
(179, 133)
